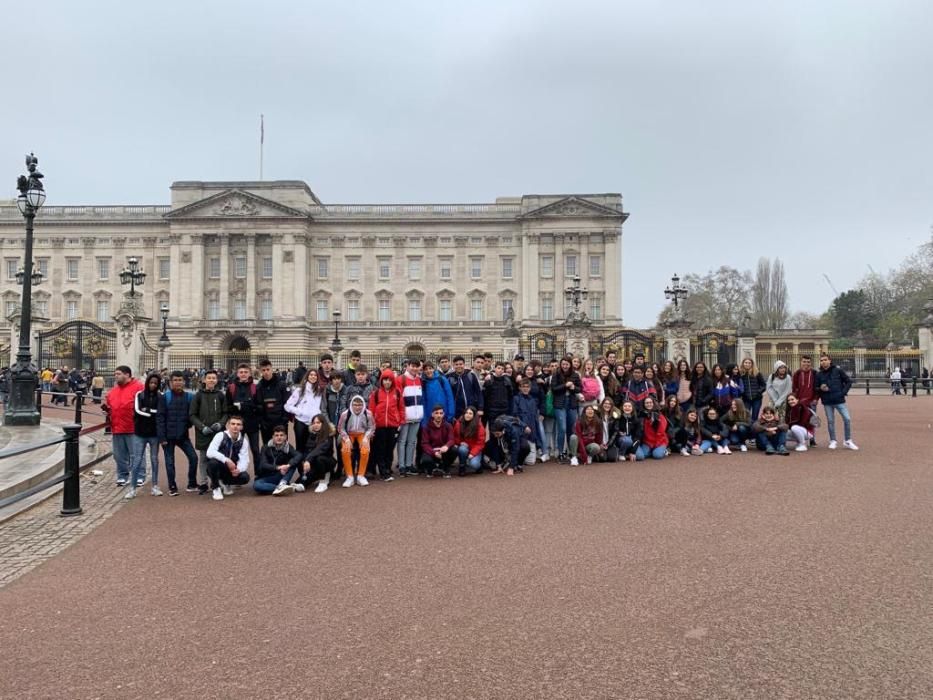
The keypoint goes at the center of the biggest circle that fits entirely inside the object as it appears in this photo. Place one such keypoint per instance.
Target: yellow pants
(347, 451)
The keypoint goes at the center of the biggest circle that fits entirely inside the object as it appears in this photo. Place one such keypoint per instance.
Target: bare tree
(769, 295)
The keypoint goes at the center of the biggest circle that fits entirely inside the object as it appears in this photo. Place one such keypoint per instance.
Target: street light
(163, 313)
(132, 275)
(336, 346)
(574, 295)
(21, 409)
(37, 276)
(676, 292)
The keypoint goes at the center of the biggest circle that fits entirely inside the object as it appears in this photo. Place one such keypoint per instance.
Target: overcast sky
(733, 129)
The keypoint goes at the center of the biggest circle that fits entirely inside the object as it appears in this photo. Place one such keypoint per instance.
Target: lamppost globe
(163, 311)
(22, 204)
(35, 197)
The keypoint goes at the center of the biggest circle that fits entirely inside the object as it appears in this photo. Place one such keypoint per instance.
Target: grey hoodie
(779, 389)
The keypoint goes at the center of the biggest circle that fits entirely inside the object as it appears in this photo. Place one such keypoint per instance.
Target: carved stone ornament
(125, 326)
(237, 205)
(680, 349)
(288, 256)
(186, 256)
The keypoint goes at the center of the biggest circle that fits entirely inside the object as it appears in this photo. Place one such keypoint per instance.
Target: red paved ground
(721, 577)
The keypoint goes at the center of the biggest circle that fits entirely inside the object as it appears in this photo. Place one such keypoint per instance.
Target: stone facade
(262, 265)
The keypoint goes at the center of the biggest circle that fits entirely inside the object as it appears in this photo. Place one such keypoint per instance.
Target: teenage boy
(172, 423)
(803, 385)
(508, 448)
(443, 366)
(336, 398)
(360, 385)
(466, 388)
(637, 389)
(241, 400)
(228, 459)
(833, 385)
(355, 430)
(497, 394)
(770, 432)
(525, 409)
(325, 371)
(271, 395)
(388, 409)
(409, 383)
(278, 463)
(119, 406)
(437, 445)
(349, 374)
(208, 416)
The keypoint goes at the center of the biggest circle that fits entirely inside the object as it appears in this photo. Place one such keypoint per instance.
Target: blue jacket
(525, 408)
(172, 420)
(838, 384)
(436, 390)
(466, 391)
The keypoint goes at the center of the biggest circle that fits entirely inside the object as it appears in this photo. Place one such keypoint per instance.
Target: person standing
(388, 409)
(833, 385)
(208, 416)
(241, 400)
(409, 383)
(305, 403)
(173, 422)
(146, 433)
(271, 396)
(436, 390)
(119, 404)
(779, 387)
(466, 388)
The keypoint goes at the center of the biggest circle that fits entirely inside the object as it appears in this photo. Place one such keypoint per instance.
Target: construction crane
(830, 283)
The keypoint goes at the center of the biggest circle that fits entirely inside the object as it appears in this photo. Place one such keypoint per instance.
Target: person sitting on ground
(770, 432)
(317, 461)
(654, 431)
(507, 448)
(690, 435)
(675, 416)
(437, 445)
(228, 459)
(470, 440)
(799, 422)
(714, 432)
(738, 425)
(628, 428)
(586, 441)
(278, 462)
(609, 416)
(356, 428)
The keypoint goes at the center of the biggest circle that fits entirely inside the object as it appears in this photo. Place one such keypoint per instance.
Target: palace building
(255, 266)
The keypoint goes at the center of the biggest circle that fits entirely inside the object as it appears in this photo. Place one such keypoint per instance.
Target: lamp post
(336, 346)
(574, 295)
(676, 292)
(164, 342)
(22, 409)
(132, 275)
(37, 276)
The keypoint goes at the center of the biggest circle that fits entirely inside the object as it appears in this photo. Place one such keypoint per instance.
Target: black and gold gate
(713, 348)
(627, 343)
(542, 346)
(80, 344)
(149, 358)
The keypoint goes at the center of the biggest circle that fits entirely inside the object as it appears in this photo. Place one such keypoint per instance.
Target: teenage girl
(738, 424)
(690, 435)
(684, 385)
(714, 432)
(753, 387)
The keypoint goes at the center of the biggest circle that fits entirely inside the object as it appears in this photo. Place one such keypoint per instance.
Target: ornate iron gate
(80, 344)
(149, 358)
(542, 346)
(713, 348)
(627, 343)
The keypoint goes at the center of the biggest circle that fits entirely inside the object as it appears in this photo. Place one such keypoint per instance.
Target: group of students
(429, 420)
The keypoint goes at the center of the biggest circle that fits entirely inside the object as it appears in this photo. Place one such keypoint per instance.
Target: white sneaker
(227, 489)
(709, 450)
(589, 460)
(156, 491)
(299, 488)
(283, 489)
(321, 487)
(684, 451)
(726, 451)
(832, 444)
(574, 462)
(217, 494)
(544, 457)
(849, 445)
(743, 448)
(362, 481)
(130, 494)
(800, 448)
(348, 482)
(720, 450)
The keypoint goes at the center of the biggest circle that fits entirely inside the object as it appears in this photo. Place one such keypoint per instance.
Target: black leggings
(219, 472)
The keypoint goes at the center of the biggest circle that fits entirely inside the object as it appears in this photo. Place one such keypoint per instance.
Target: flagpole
(262, 139)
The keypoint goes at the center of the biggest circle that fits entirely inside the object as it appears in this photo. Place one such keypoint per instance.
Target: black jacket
(702, 388)
(146, 409)
(271, 458)
(242, 401)
(560, 395)
(173, 418)
(271, 396)
(497, 396)
(837, 384)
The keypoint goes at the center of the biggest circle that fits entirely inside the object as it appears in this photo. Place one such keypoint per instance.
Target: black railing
(906, 387)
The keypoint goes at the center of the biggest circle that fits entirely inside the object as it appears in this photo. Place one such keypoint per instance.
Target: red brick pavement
(728, 577)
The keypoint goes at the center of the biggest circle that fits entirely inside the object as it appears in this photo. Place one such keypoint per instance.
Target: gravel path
(747, 576)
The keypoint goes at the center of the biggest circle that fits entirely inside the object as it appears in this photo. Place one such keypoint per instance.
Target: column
(613, 275)
(282, 303)
(301, 273)
(224, 277)
(529, 294)
(177, 281)
(251, 275)
(560, 310)
(194, 305)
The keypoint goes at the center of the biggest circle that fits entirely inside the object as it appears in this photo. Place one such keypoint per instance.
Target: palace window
(165, 268)
(239, 266)
(596, 265)
(353, 268)
(239, 309)
(103, 269)
(213, 309)
(103, 310)
(547, 307)
(507, 306)
(476, 267)
(265, 309)
(414, 268)
(414, 309)
(596, 307)
(321, 310)
(213, 268)
(9, 308)
(42, 308)
(547, 265)
(570, 265)
(323, 268)
(44, 266)
(71, 310)
(476, 309)
(445, 310)
(385, 268)
(267, 267)
(71, 269)
(385, 309)
(507, 268)
(12, 265)
(444, 268)
(353, 309)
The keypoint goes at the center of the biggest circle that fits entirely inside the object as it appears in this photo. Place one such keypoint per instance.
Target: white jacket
(304, 408)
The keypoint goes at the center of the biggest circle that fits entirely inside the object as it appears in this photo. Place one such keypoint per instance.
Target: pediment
(236, 203)
(573, 207)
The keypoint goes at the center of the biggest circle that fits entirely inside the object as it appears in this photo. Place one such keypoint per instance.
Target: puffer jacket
(208, 408)
(119, 402)
(654, 431)
(436, 390)
(387, 407)
(837, 385)
(173, 418)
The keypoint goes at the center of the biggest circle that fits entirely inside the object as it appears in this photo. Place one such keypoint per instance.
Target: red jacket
(587, 437)
(803, 384)
(477, 443)
(121, 402)
(655, 438)
(387, 407)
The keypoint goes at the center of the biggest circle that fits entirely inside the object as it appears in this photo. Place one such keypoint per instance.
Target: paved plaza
(740, 576)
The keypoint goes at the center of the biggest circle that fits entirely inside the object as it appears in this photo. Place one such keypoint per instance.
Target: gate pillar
(677, 337)
(131, 322)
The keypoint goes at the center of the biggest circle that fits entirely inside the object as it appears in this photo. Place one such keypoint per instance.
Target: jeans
(540, 437)
(267, 484)
(709, 444)
(625, 447)
(565, 420)
(123, 456)
(188, 449)
(550, 444)
(831, 420)
(407, 441)
(754, 408)
(800, 434)
(655, 452)
(474, 464)
(738, 437)
(775, 441)
(139, 456)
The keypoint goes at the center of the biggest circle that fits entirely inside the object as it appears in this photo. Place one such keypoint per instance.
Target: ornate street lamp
(132, 275)
(21, 409)
(37, 276)
(336, 346)
(574, 296)
(676, 292)
(164, 343)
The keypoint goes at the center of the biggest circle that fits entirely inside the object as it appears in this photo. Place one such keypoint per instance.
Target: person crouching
(278, 462)
(228, 459)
